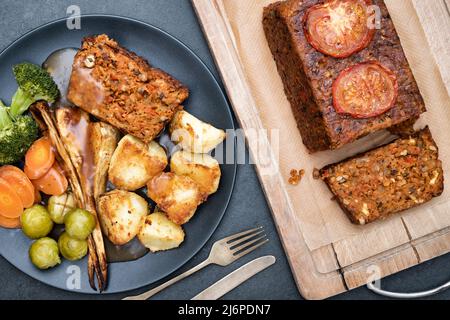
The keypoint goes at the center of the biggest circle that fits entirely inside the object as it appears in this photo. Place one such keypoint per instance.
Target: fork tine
(238, 235)
(242, 240)
(247, 251)
(242, 245)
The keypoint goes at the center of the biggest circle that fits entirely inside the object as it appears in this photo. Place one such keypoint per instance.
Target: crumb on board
(316, 174)
(296, 176)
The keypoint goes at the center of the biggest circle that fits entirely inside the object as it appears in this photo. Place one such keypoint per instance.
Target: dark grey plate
(207, 101)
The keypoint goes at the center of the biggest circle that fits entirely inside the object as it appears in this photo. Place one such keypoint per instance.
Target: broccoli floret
(16, 138)
(17, 131)
(5, 119)
(35, 84)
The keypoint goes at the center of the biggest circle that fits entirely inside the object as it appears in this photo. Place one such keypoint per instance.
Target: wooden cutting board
(341, 265)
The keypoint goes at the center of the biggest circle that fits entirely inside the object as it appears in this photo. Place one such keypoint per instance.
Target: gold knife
(235, 279)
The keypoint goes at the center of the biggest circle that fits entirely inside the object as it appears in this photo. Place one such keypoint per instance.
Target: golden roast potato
(134, 163)
(178, 196)
(202, 168)
(121, 215)
(158, 233)
(193, 134)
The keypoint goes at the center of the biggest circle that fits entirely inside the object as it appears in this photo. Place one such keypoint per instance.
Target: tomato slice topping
(365, 90)
(339, 28)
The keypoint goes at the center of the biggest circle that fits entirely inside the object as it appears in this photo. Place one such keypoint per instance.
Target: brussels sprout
(44, 253)
(79, 223)
(59, 206)
(71, 248)
(36, 222)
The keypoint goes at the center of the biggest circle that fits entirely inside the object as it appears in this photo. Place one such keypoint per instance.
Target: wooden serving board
(348, 263)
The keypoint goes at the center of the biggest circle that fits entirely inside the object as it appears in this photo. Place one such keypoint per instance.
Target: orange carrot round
(53, 183)
(9, 223)
(37, 196)
(20, 183)
(11, 205)
(39, 158)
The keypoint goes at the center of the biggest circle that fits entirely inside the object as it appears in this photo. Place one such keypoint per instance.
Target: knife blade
(235, 279)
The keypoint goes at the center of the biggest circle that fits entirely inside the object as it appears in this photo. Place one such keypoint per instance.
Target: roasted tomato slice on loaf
(365, 90)
(339, 28)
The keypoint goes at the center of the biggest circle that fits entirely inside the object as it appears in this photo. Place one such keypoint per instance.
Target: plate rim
(230, 114)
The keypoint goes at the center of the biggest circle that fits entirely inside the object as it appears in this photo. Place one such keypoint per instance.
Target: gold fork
(223, 253)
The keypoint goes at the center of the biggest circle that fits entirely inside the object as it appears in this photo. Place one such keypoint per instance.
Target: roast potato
(178, 196)
(121, 215)
(134, 163)
(158, 233)
(202, 168)
(193, 134)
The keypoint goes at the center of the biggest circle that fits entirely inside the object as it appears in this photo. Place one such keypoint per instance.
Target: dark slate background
(248, 206)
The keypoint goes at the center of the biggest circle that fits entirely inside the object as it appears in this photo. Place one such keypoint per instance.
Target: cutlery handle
(151, 293)
(414, 295)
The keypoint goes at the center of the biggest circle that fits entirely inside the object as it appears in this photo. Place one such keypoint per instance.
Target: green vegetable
(18, 132)
(36, 222)
(72, 249)
(5, 120)
(59, 206)
(44, 253)
(16, 136)
(79, 224)
(35, 84)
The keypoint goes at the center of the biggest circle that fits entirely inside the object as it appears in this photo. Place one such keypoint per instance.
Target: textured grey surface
(248, 206)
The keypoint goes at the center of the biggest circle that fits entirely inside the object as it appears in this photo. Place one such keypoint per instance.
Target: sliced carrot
(10, 204)
(9, 223)
(52, 183)
(37, 196)
(19, 182)
(39, 158)
(60, 170)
